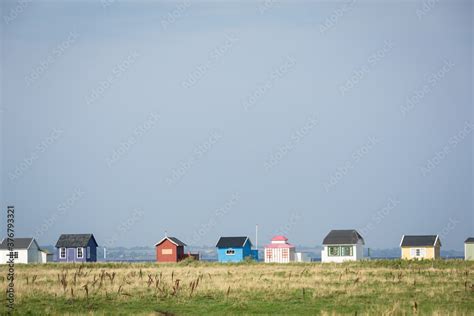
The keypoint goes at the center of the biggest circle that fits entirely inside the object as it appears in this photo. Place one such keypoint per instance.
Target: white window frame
(230, 252)
(61, 253)
(82, 253)
(88, 252)
(351, 251)
(418, 252)
(339, 250)
(338, 254)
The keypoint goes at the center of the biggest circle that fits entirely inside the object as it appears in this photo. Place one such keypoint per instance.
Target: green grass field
(444, 287)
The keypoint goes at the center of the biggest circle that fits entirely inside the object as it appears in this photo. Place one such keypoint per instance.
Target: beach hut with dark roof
(171, 249)
(342, 245)
(24, 250)
(420, 247)
(77, 248)
(235, 249)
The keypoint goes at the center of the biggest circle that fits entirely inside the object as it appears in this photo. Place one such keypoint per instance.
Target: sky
(132, 120)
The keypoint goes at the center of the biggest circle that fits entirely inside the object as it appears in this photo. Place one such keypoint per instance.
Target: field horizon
(208, 253)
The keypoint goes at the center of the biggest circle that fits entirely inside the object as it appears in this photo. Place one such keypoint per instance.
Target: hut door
(70, 254)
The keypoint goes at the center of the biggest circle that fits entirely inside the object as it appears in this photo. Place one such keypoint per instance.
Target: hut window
(167, 251)
(346, 251)
(269, 253)
(62, 253)
(333, 251)
(285, 253)
(80, 253)
(230, 252)
(88, 251)
(418, 252)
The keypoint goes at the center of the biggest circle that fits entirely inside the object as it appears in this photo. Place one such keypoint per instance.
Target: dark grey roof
(19, 243)
(231, 242)
(74, 240)
(418, 240)
(470, 240)
(342, 237)
(177, 241)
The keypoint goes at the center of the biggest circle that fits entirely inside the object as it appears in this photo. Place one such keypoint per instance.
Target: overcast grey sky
(128, 119)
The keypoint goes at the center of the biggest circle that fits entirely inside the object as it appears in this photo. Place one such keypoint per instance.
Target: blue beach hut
(235, 249)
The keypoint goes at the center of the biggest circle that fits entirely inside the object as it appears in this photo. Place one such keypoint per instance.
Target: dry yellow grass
(380, 287)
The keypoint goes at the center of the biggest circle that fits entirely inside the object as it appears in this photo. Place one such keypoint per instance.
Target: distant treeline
(145, 254)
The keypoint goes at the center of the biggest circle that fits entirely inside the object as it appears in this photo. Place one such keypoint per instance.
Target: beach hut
(77, 248)
(279, 250)
(235, 249)
(420, 247)
(342, 245)
(469, 249)
(25, 250)
(171, 249)
(46, 255)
